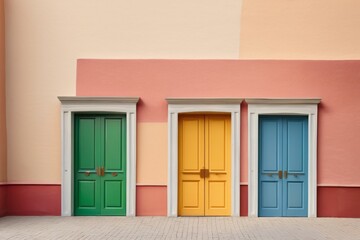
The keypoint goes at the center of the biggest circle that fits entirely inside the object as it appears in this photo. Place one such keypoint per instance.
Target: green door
(100, 165)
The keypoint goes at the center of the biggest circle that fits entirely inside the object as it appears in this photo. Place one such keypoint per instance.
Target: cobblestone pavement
(178, 228)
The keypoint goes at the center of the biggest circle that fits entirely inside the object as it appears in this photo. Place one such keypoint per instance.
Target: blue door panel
(295, 146)
(283, 146)
(270, 204)
(295, 195)
(269, 146)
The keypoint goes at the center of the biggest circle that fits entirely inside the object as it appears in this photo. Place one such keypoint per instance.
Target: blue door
(283, 166)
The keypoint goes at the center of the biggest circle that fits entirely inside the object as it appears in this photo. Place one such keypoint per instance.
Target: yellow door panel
(218, 162)
(191, 161)
(204, 143)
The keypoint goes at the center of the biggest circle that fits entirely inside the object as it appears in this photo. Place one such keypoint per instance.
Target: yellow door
(204, 165)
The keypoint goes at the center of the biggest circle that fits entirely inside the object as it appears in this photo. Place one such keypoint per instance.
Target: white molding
(303, 107)
(282, 100)
(202, 105)
(96, 100)
(72, 105)
(192, 101)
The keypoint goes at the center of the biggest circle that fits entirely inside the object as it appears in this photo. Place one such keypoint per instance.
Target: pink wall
(337, 83)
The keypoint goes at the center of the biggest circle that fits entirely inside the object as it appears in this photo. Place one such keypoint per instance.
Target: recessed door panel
(86, 143)
(216, 195)
(192, 144)
(270, 200)
(87, 194)
(216, 144)
(269, 145)
(113, 144)
(295, 195)
(295, 146)
(112, 194)
(192, 191)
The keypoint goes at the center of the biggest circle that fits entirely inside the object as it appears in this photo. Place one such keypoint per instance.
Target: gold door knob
(207, 173)
(202, 173)
(280, 174)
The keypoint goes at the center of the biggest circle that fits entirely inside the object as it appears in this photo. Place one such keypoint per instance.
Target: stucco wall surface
(3, 168)
(283, 29)
(45, 38)
(335, 82)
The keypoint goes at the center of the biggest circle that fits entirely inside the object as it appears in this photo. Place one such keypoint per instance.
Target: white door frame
(189, 105)
(72, 105)
(305, 107)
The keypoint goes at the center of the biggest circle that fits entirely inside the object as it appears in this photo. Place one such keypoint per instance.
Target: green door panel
(113, 146)
(87, 135)
(100, 142)
(114, 200)
(87, 193)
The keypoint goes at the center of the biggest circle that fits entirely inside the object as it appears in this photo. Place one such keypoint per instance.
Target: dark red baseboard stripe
(33, 200)
(243, 200)
(2, 200)
(339, 202)
(39, 200)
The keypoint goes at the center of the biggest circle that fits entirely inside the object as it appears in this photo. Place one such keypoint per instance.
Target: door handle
(280, 174)
(285, 174)
(207, 173)
(204, 173)
(100, 171)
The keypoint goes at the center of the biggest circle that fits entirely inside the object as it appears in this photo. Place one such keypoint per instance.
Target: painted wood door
(283, 166)
(100, 165)
(204, 165)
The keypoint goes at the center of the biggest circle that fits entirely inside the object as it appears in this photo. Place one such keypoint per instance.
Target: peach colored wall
(151, 153)
(3, 167)
(45, 38)
(336, 82)
(283, 29)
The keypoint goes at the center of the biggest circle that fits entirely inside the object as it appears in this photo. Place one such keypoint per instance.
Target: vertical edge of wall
(339, 202)
(33, 199)
(2, 200)
(3, 167)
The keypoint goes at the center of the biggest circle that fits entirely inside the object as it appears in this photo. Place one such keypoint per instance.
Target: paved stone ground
(178, 228)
